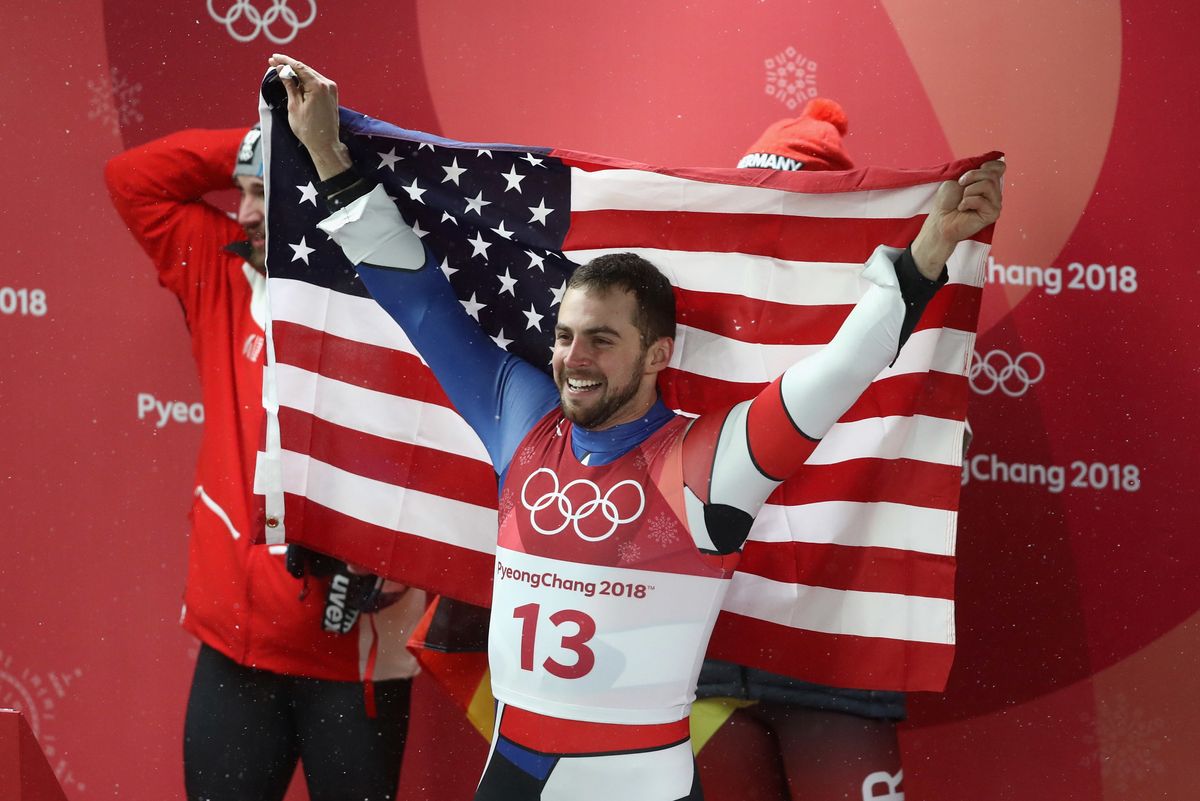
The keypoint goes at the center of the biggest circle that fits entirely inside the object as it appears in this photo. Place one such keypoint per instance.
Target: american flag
(848, 576)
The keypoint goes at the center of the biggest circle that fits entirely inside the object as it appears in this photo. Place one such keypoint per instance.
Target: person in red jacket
(272, 686)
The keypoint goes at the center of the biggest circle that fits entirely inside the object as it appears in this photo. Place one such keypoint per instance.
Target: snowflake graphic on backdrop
(791, 78)
(1133, 752)
(507, 502)
(37, 696)
(628, 552)
(663, 529)
(114, 101)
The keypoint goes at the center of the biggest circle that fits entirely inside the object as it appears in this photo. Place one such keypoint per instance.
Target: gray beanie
(250, 157)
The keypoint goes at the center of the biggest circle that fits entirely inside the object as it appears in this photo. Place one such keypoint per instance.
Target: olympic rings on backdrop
(262, 21)
(572, 516)
(999, 370)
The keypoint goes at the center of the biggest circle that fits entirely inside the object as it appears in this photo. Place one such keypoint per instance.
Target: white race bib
(603, 644)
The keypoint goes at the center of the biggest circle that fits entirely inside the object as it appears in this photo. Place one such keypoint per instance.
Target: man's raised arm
(762, 442)
(403, 277)
(158, 189)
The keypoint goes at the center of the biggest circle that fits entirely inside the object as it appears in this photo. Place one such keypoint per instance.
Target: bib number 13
(585, 658)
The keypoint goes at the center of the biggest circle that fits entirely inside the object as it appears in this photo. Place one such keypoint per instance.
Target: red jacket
(239, 598)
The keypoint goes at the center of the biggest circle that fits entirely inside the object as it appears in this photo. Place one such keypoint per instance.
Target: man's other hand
(313, 115)
(960, 210)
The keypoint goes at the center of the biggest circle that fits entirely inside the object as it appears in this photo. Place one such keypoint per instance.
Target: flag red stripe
(823, 181)
(393, 372)
(817, 239)
(840, 660)
(417, 561)
(758, 321)
(769, 323)
(400, 463)
(934, 394)
(843, 567)
(906, 481)
(954, 306)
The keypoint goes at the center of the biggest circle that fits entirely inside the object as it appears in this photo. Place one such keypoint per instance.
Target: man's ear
(658, 355)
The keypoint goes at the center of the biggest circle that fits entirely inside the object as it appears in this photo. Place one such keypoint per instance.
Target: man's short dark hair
(629, 272)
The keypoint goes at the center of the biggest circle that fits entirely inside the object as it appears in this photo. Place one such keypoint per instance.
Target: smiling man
(609, 343)
(620, 522)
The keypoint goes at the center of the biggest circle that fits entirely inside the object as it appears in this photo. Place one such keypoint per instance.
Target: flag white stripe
(380, 414)
(346, 316)
(966, 263)
(926, 439)
(378, 503)
(642, 190)
(711, 355)
(799, 283)
(865, 525)
(939, 350)
(862, 614)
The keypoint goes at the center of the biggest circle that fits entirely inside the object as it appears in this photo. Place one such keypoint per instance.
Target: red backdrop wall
(1079, 640)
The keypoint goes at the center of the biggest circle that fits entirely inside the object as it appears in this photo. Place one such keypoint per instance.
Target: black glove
(303, 562)
(350, 594)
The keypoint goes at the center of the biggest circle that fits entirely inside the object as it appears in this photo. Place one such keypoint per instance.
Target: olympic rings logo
(262, 21)
(593, 503)
(999, 370)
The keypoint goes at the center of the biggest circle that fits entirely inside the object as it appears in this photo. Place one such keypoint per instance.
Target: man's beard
(602, 412)
(255, 256)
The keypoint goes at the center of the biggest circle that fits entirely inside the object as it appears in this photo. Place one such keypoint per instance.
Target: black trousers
(246, 729)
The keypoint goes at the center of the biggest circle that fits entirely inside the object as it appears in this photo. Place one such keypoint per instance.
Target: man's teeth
(579, 384)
